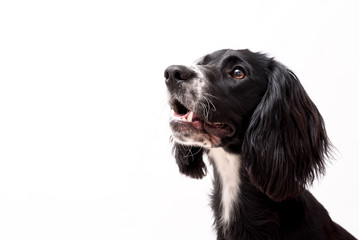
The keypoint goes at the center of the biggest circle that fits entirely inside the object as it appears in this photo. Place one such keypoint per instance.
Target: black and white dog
(265, 137)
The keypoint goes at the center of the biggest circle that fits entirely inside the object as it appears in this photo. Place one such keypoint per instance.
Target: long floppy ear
(190, 160)
(286, 143)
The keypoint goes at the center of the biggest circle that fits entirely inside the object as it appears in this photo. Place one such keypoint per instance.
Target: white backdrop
(84, 150)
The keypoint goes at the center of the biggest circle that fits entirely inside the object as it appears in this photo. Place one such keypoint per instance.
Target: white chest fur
(227, 166)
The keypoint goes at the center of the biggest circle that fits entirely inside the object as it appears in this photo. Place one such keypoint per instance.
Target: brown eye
(238, 73)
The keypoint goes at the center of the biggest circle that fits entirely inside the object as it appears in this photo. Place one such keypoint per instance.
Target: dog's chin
(188, 128)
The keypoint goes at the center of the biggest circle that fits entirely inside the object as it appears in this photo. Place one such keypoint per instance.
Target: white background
(84, 150)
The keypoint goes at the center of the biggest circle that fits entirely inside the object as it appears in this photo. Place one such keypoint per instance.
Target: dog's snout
(177, 73)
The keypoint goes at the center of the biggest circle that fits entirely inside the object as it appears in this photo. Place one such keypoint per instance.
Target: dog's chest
(227, 166)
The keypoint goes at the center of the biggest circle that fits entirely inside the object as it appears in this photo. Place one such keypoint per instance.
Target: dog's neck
(235, 200)
(227, 167)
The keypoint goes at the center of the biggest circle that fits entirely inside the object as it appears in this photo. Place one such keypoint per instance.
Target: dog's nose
(177, 73)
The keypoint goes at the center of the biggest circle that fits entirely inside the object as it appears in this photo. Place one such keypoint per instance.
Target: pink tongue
(182, 116)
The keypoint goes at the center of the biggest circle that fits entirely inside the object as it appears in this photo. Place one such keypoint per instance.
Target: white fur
(199, 84)
(227, 166)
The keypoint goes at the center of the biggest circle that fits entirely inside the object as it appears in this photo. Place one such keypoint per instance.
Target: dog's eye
(238, 73)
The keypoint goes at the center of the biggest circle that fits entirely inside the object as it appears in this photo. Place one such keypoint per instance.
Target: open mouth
(189, 119)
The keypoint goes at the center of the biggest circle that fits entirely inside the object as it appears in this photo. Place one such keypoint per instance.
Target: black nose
(176, 73)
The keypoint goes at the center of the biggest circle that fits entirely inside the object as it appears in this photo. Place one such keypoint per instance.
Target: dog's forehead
(220, 55)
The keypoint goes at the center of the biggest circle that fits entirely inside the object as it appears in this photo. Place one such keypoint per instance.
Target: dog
(252, 118)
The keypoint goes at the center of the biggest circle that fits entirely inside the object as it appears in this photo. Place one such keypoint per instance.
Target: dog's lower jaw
(188, 136)
(199, 141)
(226, 167)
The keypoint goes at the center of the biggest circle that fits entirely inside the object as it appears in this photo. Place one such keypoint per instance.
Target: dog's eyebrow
(233, 60)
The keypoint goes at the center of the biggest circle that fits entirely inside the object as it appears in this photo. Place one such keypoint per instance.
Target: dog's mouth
(190, 119)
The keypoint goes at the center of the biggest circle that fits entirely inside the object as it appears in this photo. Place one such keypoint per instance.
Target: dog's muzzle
(189, 121)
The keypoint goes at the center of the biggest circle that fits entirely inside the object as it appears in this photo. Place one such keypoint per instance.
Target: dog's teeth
(190, 116)
(172, 112)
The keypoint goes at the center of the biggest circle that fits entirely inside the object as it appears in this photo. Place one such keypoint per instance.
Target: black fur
(286, 136)
(190, 160)
(271, 122)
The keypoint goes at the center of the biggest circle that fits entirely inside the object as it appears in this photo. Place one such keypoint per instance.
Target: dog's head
(251, 105)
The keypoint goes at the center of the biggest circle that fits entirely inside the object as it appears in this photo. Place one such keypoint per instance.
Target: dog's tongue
(216, 129)
(188, 117)
(181, 117)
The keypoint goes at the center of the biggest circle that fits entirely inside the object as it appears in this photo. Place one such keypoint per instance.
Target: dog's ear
(190, 160)
(286, 143)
